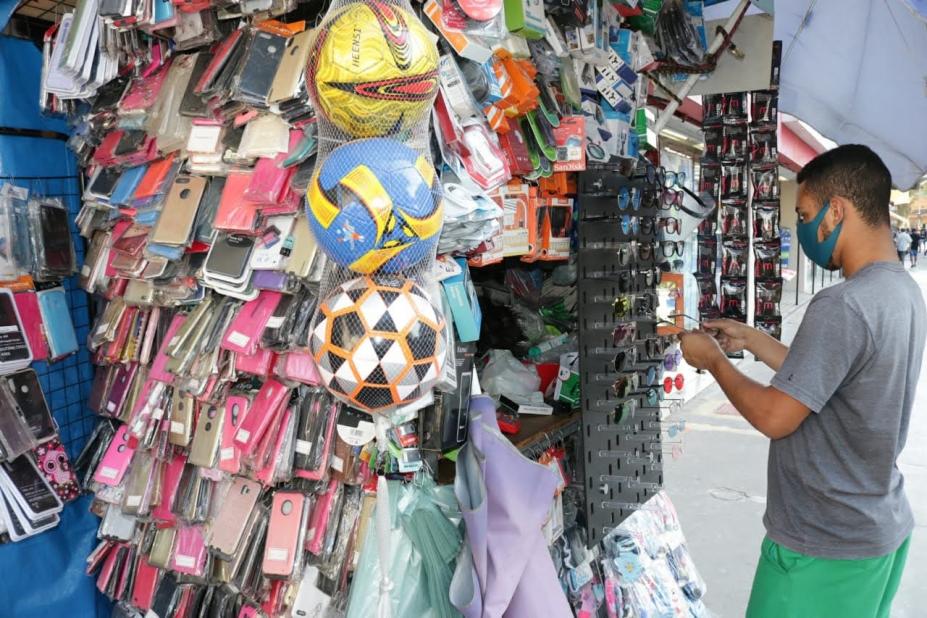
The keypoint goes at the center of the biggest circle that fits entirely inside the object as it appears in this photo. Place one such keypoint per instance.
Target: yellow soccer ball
(375, 69)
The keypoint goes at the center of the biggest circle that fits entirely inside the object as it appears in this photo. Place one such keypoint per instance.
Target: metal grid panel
(67, 382)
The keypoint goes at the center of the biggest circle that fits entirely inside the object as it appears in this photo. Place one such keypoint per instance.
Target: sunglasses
(626, 384)
(630, 225)
(672, 247)
(674, 179)
(640, 252)
(625, 410)
(672, 360)
(629, 197)
(655, 347)
(669, 383)
(670, 225)
(670, 199)
(672, 266)
(625, 360)
(621, 307)
(652, 396)
(624, 333)
(655, 175)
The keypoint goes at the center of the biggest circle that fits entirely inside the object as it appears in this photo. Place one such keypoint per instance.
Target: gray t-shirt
(835, 490)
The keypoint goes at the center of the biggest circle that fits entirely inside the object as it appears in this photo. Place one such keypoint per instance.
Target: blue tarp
(42, 576)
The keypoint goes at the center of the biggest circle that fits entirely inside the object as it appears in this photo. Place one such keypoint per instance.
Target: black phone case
(30, 484)
(192, 104)
(230, 257)
(130, 142)
(260, 66)
(163, 603)
(105, 182)
(56, 238)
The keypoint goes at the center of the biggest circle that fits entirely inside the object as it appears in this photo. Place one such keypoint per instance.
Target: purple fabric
(505, 499)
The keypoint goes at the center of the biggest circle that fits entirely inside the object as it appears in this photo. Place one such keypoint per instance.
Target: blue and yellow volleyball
(376, 205)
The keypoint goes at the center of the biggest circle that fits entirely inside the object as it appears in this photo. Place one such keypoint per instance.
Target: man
(837, 519)
(902, 243)
(915, 246)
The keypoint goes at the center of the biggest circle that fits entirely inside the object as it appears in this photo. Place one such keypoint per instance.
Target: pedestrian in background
(916, 239)
(902, 243)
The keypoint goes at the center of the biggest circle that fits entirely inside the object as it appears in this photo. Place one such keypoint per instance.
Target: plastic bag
(506, 375)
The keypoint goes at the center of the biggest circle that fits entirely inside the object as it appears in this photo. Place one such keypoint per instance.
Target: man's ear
(840, 208)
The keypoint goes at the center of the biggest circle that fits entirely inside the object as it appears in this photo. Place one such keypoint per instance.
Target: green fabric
(792, 585)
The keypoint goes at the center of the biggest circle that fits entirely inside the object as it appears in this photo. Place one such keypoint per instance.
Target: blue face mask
(818, 252)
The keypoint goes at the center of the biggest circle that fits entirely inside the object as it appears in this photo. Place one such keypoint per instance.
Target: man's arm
(770, 351)
(769, 410)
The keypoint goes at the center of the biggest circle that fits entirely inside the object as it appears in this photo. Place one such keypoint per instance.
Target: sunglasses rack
(618, 440)
(764, 173)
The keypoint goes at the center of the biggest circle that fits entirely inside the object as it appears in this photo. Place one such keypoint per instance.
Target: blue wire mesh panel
(67, 382)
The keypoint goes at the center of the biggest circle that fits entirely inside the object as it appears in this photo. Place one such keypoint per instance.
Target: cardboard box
(525, 18)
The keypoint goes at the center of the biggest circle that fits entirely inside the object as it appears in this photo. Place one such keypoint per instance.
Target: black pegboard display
(67, 382)
(622, 453)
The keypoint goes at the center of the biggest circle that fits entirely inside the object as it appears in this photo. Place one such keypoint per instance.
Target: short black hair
(853, 172)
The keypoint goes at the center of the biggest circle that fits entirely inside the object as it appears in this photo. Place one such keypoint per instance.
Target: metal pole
(683, 92)
(798, 278)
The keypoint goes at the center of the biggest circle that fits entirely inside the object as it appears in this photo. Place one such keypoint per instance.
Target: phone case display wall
(43, 375)
(741, 166)
(285, 368)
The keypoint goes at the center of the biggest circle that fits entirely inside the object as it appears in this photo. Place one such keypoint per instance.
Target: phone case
(183, 408)
(158, 371)
(175, 223)
(244, 333)
(271, 248)
(53, 463)
(228, 526)
(234, 214)
(117, 525)
(29, 488)
(220, 57)
(165, 597)
(229, 258)
(119, 388)
(126, 186)
(27, 304)
(116, 460)
(137, 497)
(162, 547)
(292, 66)
(207, 436)
(145, 583)
(27, 392)
(303, 248)
(267, 404)
(56, 318)
(15, 352)
(171, 471)
(152, 182)
(287, 519)
(260, 65)
(189, 551)
(236, 409)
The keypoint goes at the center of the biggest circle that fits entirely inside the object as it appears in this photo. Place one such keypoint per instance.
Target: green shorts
(792, 585)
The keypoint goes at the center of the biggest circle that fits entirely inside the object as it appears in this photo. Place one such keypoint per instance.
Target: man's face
(807, 206)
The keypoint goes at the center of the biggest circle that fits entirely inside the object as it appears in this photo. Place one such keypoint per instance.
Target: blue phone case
(56, 318)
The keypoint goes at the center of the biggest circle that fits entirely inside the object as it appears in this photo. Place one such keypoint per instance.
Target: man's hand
(732, 335)
(700, 350)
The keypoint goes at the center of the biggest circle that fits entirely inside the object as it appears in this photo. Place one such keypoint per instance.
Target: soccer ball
(379, 343)
(376, 204)
(374, 69)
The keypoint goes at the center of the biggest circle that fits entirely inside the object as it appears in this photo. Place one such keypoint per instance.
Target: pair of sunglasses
(626, 384)
(629, 197)
(624, 333)
(672, 360)
(669, 383)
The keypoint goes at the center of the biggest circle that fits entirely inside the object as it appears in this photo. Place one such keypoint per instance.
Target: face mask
(818, 252)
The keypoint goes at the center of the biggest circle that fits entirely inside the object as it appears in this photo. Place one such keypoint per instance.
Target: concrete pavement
(719, 489)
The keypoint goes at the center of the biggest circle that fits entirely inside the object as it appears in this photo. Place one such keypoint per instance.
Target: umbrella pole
(720, 39)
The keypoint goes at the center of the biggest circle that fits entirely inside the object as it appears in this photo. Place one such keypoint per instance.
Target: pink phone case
(27, 303)
(189, 551)
(151, 328)
(109, 566)
(269, 180)
(283, 533)
(229, 523)
(236, 410)
(298, 366)
(234, 213)
(170, 480)
(158, 371)
(259, 364)
(116, 460)
(144, 92)
(268, 402)
(245, 330)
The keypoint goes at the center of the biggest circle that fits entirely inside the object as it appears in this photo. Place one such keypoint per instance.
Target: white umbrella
(856, 70)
